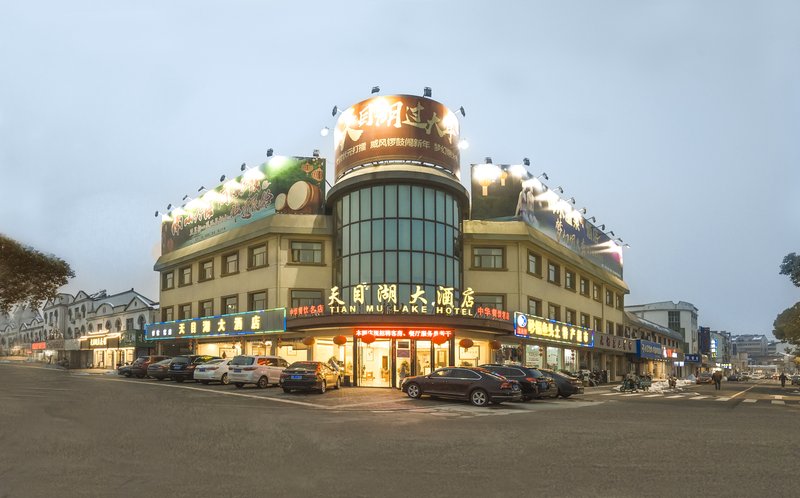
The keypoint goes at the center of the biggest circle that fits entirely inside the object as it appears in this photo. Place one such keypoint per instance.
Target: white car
(213, 371)
(259, 370)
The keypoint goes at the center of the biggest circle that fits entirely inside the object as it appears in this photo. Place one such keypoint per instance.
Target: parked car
(704, 378)
(309, 375)
(159, 370)
(124, 370)
(140, 364)
(533, 383)
(795, 380)
(566, 385)
(181, 368)
(259, 370)
(734, 377)
(744, 376)
(478, 385)
(213, 371)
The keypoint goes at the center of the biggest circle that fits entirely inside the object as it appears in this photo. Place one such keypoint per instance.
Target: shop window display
(375, 363)
(474, 356)
(570, 360)
(533, 356)
(554, 358)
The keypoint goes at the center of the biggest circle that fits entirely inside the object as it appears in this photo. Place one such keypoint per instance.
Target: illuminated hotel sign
(247, 323)
(401, 128)
(534, 327)
(418, 303)
(397, 333)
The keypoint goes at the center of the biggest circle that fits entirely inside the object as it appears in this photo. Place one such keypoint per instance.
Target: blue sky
(675, 123)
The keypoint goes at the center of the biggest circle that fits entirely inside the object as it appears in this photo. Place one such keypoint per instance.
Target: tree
(787, 325)
(28, 276)
(791, 267)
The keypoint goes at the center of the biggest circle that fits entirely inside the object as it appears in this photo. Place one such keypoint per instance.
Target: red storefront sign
(39, 345)
(398, 333)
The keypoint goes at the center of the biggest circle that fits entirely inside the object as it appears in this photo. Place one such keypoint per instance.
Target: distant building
(680, 317)
(754, 345)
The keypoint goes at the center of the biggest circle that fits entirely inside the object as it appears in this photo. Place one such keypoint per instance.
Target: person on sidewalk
(783, 378)
(717, 378)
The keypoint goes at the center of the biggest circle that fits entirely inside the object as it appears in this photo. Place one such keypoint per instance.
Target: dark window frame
(296, 305)
(569, 280)
(201, 274)
(554, 273)
(224, 304)
(225, 271)
(251, 255)
(585, 287)
(181, 274)
(478, 267)
(298, 261)
(164, 279)
(250, 306)
(181, 312)
(537, 264)
(200, 307)
(538, 303)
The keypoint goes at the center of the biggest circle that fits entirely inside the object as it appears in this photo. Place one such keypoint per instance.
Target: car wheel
(565, 396)
(413, 391)
(178, 380)
(204, 382)
(479, 397)
(160, 378)
(263, 382)
(140, 376)
(239, 385)
(323, 387)
(287, 390)
(224, 379)
(338, 383)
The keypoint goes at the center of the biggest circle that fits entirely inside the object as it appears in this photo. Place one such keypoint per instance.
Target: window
(534, 307)
(230, 263)
(184, 311)
(534, 264)
(129, 324)
(166, 315)
(569, 316)
(257, 300)
(553, 273)
(553, 312)
(598, 324)
(674, 320)
(488, 258)
(206, 270)
(306, 252)
(306, 298)
(257, 256)
(610, 327)
(609, 298)
(496, 301)
(206, 308)
(596, 292)
(584, 289)
(185, 275)
(620, 302)
(167, 280)
(569, 280)
(620, 330)
(230, 304)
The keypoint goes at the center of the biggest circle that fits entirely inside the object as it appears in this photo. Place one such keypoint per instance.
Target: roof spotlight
(156, 214)
(222, 178)
(375, 89)
(335, 110)
(269, 152)
(324, 131)
(462, 111)
(244, 166)
(426, 92)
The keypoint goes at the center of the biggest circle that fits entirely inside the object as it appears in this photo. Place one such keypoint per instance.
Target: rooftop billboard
(291, 185)
(403, 128)
(499, 195)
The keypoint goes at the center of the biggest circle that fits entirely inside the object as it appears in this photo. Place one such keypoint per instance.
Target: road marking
(742, 392)
(676, 396)
(652, 395)
(610, 394)
(778, 402)
(699, 397)
(723, 399)
(749, 400)
(777, 396)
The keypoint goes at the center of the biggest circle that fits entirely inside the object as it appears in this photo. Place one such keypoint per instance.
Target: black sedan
(478, 385)
(308, 376)
(567, 384)
(533, 383)
(181, 368)
(158, 370)
(124, 370)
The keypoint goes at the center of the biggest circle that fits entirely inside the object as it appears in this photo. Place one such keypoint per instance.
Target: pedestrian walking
(783, 378)
(717, 378)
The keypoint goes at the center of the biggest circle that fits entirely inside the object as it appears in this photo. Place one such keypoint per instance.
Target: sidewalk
(23, 361)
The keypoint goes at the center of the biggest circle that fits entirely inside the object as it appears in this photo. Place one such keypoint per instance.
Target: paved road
(65, 434)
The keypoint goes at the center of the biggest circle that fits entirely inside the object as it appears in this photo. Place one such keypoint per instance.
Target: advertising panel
(704, 339)
(498, 195)
(649, 350)
(291, 185)
(534, 327)
(614, 343)
(403, 128)
(246, 323)
(403, 333)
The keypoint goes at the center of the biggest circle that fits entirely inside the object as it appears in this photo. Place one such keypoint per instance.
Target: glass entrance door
(422, 358)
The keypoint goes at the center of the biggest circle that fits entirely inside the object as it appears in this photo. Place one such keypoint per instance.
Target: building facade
(680, 317)
(397, 270)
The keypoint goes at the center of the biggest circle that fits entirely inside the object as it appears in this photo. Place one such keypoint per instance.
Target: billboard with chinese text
(504, 197)
(290, 185)
(402, 128)
(247, 323)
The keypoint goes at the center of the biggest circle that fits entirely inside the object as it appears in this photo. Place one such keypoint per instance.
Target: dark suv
(140, 364)
(182, 367)
(534, 383)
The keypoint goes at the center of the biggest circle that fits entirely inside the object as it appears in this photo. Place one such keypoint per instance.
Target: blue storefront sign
(236, 324)
(692, 358)
(649, 350)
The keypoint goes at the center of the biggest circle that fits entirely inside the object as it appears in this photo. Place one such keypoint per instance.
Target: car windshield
(162, 362)
(303, 365)
(210, 362)
(243, 360)
(180, 359)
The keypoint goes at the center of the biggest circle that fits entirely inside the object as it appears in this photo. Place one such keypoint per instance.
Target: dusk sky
(677, 124)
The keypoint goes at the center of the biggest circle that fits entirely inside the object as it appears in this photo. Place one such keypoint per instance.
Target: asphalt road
(65, 434)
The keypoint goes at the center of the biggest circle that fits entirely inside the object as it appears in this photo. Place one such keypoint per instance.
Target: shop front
(615, 352)
(554, 345)
(650, 359)
(104, 350)
(55, 350)
(39, 351)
